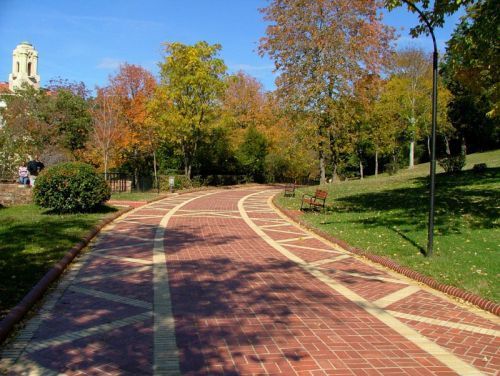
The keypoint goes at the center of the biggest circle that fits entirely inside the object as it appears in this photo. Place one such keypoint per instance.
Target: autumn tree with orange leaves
(320, 48)
(246, 109)
(133, 87)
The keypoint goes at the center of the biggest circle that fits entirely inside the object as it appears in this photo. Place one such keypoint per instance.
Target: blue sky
(86, 40)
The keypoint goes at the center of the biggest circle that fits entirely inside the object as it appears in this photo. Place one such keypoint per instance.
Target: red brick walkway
(219, 283)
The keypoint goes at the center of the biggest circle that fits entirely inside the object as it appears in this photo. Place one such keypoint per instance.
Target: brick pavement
(219, 283)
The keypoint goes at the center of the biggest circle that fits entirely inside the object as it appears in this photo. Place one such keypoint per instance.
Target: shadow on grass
(462, 199)
(101, 209)
(31, 242)
(410, 240)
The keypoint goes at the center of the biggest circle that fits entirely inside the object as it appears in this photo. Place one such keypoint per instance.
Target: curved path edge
(17, 313)
(453, 291)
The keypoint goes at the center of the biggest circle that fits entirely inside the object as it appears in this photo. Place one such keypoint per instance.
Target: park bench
(315, 201)
(289, 190)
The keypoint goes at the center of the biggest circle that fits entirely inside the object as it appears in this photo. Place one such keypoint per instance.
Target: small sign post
(171, 183)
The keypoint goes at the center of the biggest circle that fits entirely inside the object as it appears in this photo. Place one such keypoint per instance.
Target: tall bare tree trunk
(322, 168)
(447, 143)
(412, 153)
(361, 169)
(155, 171)
(136, 171)
(321, 155)
(105, 157)
(376, 163)
(334, 173)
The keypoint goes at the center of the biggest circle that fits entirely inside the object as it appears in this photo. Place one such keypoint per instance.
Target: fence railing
(118, 182)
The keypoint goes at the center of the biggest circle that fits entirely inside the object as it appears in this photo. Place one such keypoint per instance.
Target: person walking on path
(34, 168)
(23, 175)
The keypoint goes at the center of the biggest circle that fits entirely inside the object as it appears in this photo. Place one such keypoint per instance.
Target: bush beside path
(218, 282)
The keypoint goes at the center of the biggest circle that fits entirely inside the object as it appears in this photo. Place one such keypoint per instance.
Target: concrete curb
(480, 302)
(17, 313)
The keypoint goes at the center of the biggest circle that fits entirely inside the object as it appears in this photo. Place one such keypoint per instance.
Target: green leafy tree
(470, 69)
(192, 81)
(70, 115)
(27, 117)
(435, 11)
(320, 48)
(252, 154)
(386, 137)
(412, 72)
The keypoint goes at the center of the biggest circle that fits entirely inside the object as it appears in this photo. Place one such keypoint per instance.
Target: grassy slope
(31, 241)
(388, 215)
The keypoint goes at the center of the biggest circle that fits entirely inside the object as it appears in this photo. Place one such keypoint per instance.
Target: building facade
(24, 67)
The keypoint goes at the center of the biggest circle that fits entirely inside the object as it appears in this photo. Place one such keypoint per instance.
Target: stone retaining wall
(14, 194)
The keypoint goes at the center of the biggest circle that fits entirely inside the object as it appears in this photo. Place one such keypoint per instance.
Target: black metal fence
(118, 182)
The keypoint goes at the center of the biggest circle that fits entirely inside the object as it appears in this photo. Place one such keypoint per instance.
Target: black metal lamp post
(430, 234)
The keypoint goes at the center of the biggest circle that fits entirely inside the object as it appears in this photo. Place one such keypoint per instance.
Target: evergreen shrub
(392, 167)
(452, 163)
(479, 168)
(71, 187)
(180, 182)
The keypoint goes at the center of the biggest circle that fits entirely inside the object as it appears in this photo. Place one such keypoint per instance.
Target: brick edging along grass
(482, 303)
(17, 313)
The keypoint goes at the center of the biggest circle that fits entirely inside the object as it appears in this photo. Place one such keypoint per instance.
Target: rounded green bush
(70, 187)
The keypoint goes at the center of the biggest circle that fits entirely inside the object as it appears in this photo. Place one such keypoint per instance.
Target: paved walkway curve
(218, 282)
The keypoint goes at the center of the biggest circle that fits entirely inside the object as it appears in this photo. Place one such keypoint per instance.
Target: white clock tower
(24, 67)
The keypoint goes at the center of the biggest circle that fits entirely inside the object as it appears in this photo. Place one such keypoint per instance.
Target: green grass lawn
(388, 215)
(136, 196)
(31, 242)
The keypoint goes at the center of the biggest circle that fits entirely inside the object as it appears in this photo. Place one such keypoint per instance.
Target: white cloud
(109, 63)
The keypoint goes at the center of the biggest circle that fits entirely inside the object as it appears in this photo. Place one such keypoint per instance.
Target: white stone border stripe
(112, 297)
(447, 324)
(165, 352)
(126, 259)
(96, 249)
(294, 239)
(73, 336)
(371, 277)
(328, 260)
(276, 225)
(444, 356)
(284, 231)
(387, 300)
(315, 249)
(100, 277)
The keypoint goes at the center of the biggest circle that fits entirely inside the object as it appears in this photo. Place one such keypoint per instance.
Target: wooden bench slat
(316, 200)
